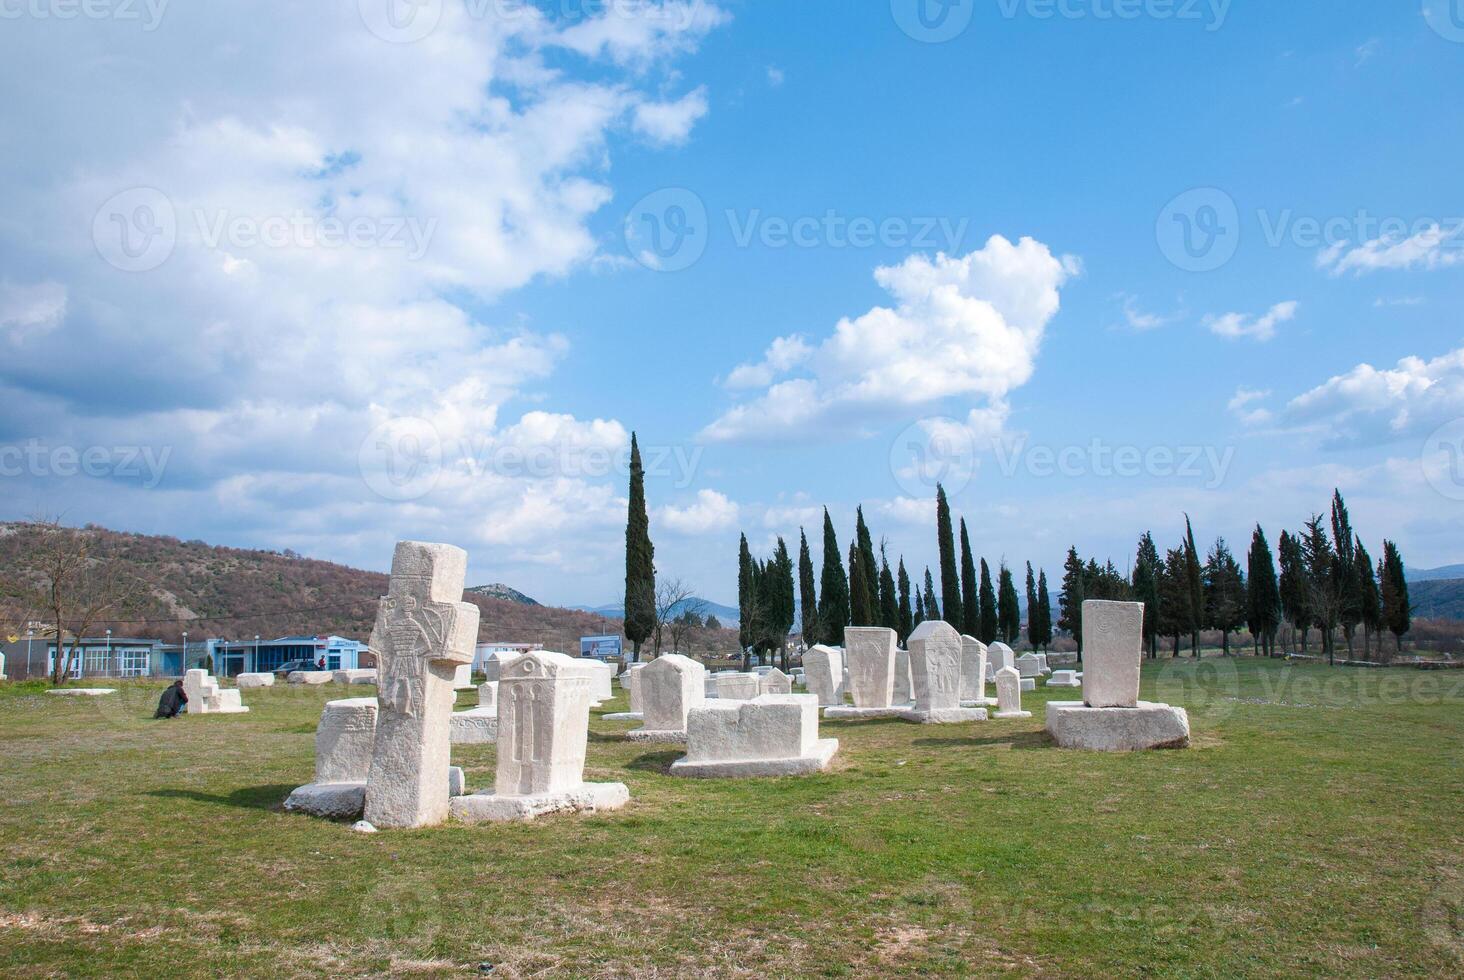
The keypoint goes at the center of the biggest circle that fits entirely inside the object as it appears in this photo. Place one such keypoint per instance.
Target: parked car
(290, 666)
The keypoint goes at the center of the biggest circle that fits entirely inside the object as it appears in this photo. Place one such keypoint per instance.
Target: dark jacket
(171, 702)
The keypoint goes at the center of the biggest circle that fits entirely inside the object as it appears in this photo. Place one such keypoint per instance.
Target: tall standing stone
(823, 672)
(423, 634)
(999, 655)
(671, 685)
(904, 685)
(973, 673)
(1009, 694)
(870, 651)
(1113, 651)
(935, 668)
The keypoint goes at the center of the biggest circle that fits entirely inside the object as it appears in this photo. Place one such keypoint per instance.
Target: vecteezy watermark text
(34, 458)
(1208, 464)
(147, 13)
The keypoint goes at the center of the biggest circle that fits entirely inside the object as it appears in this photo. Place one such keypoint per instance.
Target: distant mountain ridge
(500, 591)
(726, 615)
(1435, 574)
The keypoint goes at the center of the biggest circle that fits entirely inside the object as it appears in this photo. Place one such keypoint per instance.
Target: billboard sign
(600, 647)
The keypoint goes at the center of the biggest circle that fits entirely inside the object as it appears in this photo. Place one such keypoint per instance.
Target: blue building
(234, 657)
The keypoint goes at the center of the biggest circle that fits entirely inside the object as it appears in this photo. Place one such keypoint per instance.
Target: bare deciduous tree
(674, 599)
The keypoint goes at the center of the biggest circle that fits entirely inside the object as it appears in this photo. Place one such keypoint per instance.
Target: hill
(1437, 598)
(726, 615)
(1435, 574)
(235, 593)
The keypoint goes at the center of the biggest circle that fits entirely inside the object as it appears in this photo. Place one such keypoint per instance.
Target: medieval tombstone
(771, 735)
(870, 658)
(936, 672)
(1028, 665)
(423, 635)
(775, 682)
(1111, 717)
(246, 681)
(823, 670)
(629, 682)
(671, 686)
(478, 726)
(543, 726)
(205, 697)
(1064, 678)
(1009, 694)
(973, 674)
(601, 680)
(904, 685)
(998, 655)
(736, 686)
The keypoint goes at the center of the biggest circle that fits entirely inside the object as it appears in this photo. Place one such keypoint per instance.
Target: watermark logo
(1207, 688)
(142, 465)
(1446, 17)
(667, 230)
(1443, 460)
(403, 908)
(401, 21)
(933, 21)
(149, 13)
(1199, 231)
(1204, 464)
(401, 459)
(136, 230)
(930, 452)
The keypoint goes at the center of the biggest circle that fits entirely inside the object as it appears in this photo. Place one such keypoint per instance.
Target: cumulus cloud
(782, 356)
(1138, 320)
(712, 511)
(1435, 247)
(1241, 406)
(966, 327)
(1234, 326)
(670, 123)
(1371, 405)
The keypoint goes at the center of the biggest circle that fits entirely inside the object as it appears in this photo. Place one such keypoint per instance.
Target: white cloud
(30, 310)
(1141, 322)
(1234, 326)
(670, 123)
(1367, 51)
(1368, 404)
(962, 327)
(909, 511)
(1240, 406)
(1435, 247)
(712, 511)
(782, 356)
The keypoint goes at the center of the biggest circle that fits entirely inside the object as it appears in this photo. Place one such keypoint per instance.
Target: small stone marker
(543, 724)
(424, 633)
(869, 652)
(246, 681)
(494, 663)
(629, 682)
(462, 678)
(823, 670)
(999, 655)
(205, 697)
(478, 726)
(365, 675)
(973, 674)
(772, 735)
(1064, 678)
(904, 683)
(1028, 665)
(737, 686)
(1113, 651)
(935, 662)
(1009, 694)
(601, 681)
(671, 686)
(775, 682)
(311, 677)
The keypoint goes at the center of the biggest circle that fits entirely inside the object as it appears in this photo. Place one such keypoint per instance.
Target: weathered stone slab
(1029, 665)
(671, 687)
(869, 652)
(904, 684)
(935, 665)
(205, 697)
(772, 735)
(998, 655)
(775, 682)
(737, 686)
(1064, 678)
(823, 669)
(1028, 684)
(462, 678)
(1074, 725)
(424, 635)
(363, 675)
(494, 663)
(973, 673)
(246, 681)
(1009, 694)
(345, 740)
(1113, 651)
(311, 677)
(82, 692)
(478, 726)
(601, 682)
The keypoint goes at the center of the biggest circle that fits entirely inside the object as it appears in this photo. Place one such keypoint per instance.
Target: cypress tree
(919, 615)
(1349, 612)
(1008, 610)
(907, 615)
(1044, 609)
(1070, 599)
(1146, 590)
(1322, 582)
(950, 579)
(833, 590)
(1031, 607)
(1370, 601)
(1194, 577)
(1224, 593)
(807, 598)
(861, 603)
(1295, 600)
(1397, 612)
(868, 565)
(782, 576)
(932, 608)
(1263, 595)
(986, 622)
(970, 623)
(746, 596)
(1175, 613)
(640, 559)
(889, 603)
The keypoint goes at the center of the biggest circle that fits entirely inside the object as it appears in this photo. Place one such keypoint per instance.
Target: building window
(75, 664)
(98, 662)
(134, 661)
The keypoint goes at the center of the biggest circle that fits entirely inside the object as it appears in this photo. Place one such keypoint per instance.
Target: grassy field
(1316, 828)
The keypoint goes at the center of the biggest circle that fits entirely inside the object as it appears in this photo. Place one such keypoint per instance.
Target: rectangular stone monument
(631, 686)
(313, 678)
(494, 663)
(543, 725)
(205, 697)
(365, 675)
(771, 735)
(1113, 650)
(904, 693)
(671, 686)
(935, 665)
(870, 658)
(478, 726)
(424, 633)
(246, 681)
(737, 686)
(601, 682)
(1064, 678)
(775, 682)
(1009, 694)
(823, 669)
(973, 674)
(462, 678)
(1028, 665)
(998, 655)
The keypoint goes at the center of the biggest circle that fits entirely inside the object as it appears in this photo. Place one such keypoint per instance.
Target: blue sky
(1025, 310)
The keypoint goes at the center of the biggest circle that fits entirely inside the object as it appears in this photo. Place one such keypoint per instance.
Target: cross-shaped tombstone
(423, 633)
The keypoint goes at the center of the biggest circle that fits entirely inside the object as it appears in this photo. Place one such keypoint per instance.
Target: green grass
(1314, 829)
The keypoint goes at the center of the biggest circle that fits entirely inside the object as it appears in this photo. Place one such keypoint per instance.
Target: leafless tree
(675, 607)
(60, 577)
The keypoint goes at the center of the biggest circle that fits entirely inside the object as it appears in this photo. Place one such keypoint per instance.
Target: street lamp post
(256, 651)
(29, 635)
(183, 659)
(109, 655)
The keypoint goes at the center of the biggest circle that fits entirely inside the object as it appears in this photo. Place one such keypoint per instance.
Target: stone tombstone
(205, 697)
(775, 682)
(494, 663)
(478, 726)
(423, 635)
(1009, 694)
(1064, 678)
(633, 685)
(904, 684)
(737, 686)
(870, 652)
(771, 735)
(935, 664)
(823, 670)
(973, 669)
(462, 678)
(1112, 653)
(671, 686)
(2, 668)
(543, 724)
(1028, 665)
(999, 655)
(246, 681)
(345, 741)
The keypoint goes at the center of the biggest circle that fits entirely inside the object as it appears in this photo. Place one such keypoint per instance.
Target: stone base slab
(823, 752)
(1075, 682)
(1074, 725)
(477, 726)
(83, 692)
(979, 703)
(626, 716)
(945, 716)
(1012, 714)
(643, 735)
(847, 711)
(333, 801)
(587, 798)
